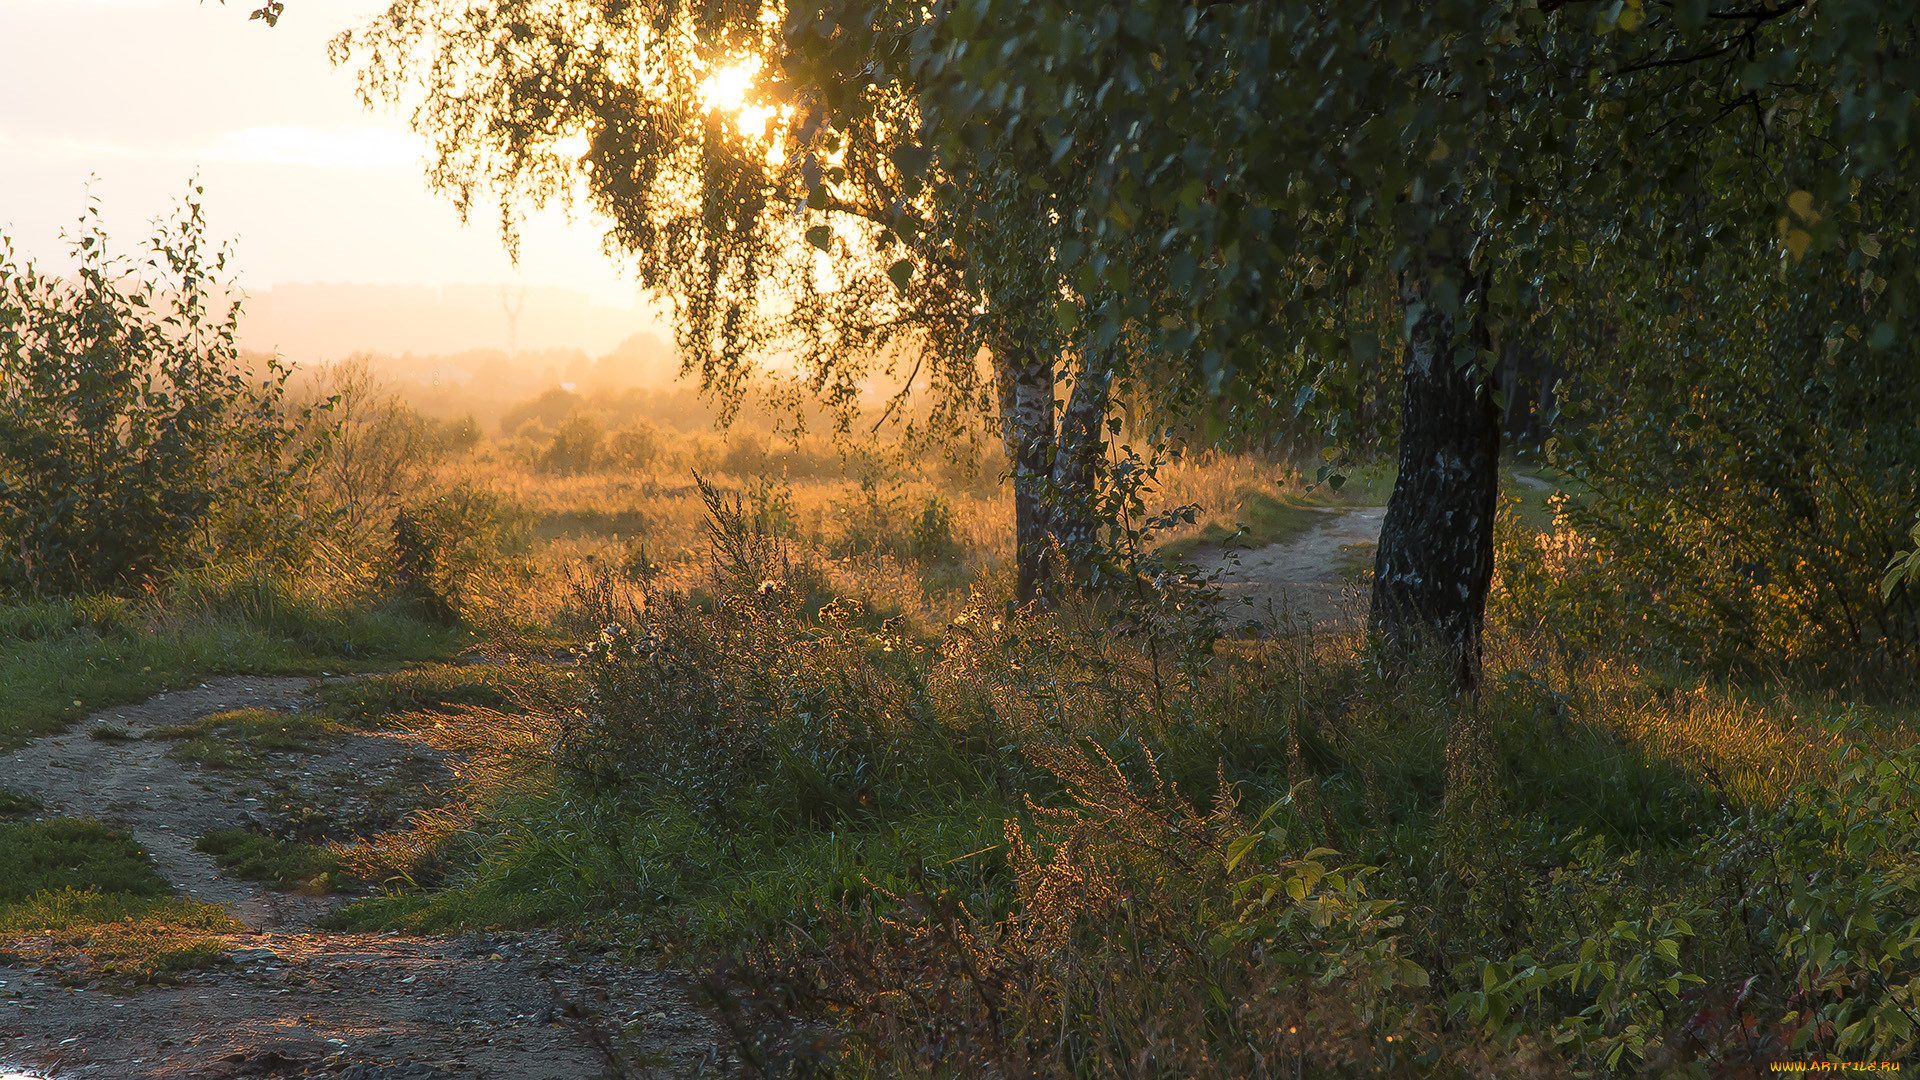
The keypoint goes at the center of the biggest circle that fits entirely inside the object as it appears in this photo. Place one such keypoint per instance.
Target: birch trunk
(1435, 559)
(1076, 463)
(1026, 428)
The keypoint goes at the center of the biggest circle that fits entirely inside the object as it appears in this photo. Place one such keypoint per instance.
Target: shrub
(379, 453)
(758, 682)
(132, 438)
(636, 446)
(1746, 476)
(576, 445)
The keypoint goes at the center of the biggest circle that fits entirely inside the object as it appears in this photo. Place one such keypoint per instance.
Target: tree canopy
(1245, 207)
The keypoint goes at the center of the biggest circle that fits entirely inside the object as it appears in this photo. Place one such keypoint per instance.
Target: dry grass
(117, 939)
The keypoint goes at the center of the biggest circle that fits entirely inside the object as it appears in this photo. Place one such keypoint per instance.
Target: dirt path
(1303, 583)
(297, 1001)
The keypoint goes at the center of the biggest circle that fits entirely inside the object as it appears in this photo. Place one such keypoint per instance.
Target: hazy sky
(142, 93)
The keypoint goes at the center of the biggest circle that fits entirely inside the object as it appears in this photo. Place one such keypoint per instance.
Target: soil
(295, 1000)
(1306, 583)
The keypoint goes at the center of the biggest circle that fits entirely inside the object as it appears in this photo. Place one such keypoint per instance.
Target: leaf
(820, 236)
(1797, 241)
(1440, 150)
(1801, 203)
(901, 273)
(1067, 314)
(1239, 848)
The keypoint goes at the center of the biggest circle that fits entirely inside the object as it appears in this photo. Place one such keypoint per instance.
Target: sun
(730, 89)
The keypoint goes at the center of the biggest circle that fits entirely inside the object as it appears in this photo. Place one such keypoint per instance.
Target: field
(789, 733)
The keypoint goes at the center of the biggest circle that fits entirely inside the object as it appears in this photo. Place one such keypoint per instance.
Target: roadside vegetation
(936, 760)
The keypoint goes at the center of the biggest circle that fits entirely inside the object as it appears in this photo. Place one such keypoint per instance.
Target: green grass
(1260, 520)
(14, 804)
(73, 853)
(1533, 503)
(554, 857)
(59, 663)
(116, 938)
(429, 688)
(85, 897)
(253, 857)
(238, 739)
(1355, 566)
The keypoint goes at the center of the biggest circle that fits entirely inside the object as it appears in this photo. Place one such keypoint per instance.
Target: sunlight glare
(727, 90)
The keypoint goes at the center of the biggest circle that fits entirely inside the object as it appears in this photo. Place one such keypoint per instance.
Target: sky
(143, 95)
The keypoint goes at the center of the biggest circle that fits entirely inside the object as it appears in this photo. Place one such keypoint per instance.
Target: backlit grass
(239, 739)
(116, 938)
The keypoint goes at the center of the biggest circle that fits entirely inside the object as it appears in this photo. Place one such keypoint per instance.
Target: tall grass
(62, 659)
(993, 841)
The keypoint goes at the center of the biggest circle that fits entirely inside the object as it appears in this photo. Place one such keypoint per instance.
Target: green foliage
(132, 438)
(443, 548)
(203, 624)
(284, 865)
(1834, 874)
(1739, 475)
(72, 853)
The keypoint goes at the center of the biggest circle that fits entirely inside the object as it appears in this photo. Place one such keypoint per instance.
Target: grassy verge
(283, 865)
(115, 938)
(84, 896)
(61, 660)
(435, 688)
(72, 853)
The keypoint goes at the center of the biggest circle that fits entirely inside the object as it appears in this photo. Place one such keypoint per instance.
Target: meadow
(765, 711)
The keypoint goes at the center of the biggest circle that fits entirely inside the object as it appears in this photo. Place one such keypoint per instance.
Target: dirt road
(294, 1000)
(1303, 583)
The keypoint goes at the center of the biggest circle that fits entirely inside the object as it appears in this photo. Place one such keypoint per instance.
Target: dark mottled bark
(1025, 379)
(1076, 462)
(1435, 559)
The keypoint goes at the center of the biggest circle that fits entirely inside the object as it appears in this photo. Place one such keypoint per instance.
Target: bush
(444, 548)
(877, 522)
(378, 454)
(576, 446)
(132, 438)
(760, 683)
(1745, 476)
(636, 446)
